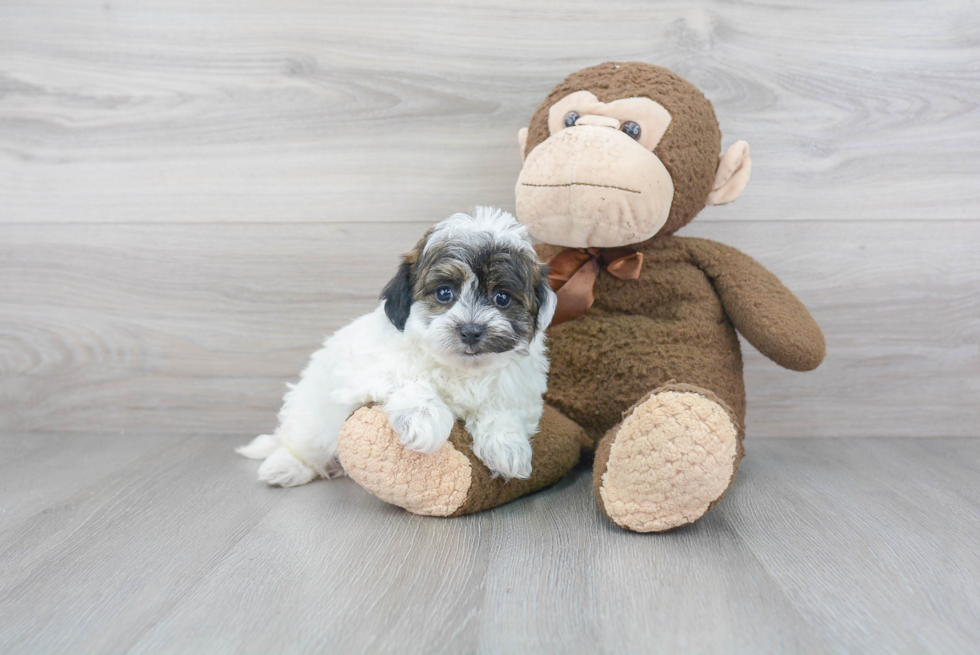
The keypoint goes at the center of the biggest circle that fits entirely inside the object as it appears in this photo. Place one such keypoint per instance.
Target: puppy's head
(472, 289)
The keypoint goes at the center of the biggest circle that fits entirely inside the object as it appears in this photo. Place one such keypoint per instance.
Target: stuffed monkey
(646, 369)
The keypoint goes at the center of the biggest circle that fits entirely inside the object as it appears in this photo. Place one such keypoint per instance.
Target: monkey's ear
(733, 174)
(397, 295)
(547, 301)
(522, 139)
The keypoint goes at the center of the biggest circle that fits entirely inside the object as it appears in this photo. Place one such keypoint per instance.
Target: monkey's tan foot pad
(372, 454)
(672, 457)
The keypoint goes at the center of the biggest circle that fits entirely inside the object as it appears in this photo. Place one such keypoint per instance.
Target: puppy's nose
(470, 334)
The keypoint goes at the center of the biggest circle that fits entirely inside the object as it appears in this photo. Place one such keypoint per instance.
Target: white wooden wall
(192, 193)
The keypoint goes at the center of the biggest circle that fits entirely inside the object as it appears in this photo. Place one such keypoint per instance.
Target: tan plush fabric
(522, 140)
(674, 455)
(733, 174)
(452, 481)
(372, 454)
(652, 118)
(624, 190)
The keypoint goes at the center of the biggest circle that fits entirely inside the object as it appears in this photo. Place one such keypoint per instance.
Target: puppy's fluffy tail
(260, 447)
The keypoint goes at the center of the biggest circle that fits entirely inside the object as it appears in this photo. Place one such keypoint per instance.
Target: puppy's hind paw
(508, 456)
(284, 469)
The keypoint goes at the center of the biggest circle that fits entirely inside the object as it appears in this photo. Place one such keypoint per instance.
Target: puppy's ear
(547, 301)
(397, 295)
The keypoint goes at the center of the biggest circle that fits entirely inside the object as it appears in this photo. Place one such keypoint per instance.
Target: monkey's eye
(444, 294)
(570, 118)
(632, 129)
(502, 299)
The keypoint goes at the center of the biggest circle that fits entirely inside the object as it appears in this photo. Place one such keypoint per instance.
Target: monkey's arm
(762, 309)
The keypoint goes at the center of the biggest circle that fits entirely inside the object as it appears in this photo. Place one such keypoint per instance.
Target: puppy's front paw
(425, 428)
(508, 455)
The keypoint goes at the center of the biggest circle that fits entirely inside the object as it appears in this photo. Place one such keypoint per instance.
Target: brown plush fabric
(676, 322)
(761, 308)
(671, 330)
(669, 324)
(690, 147)
(557, 448)
(371, 453)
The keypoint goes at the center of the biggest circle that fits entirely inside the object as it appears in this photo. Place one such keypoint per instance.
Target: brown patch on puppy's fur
(476, 267)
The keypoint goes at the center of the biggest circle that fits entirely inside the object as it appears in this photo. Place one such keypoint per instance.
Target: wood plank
(300, 111)
(516, 577)
(197, 328)
(336, 570)
(38, 470)
(701, 589)
(540, 592)
(878, 551)
(97, 573)
(822, 545)
(165, 313)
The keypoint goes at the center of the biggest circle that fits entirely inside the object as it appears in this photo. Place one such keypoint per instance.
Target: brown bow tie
(574, 272)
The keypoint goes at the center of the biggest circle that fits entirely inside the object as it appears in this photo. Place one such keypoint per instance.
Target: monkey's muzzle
(591, 186)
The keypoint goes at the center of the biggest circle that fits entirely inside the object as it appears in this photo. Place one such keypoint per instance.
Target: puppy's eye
(632, 129)
(570, 118)
(444, 294)
(501, 299)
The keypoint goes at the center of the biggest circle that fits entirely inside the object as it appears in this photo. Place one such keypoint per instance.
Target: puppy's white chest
(464, 396)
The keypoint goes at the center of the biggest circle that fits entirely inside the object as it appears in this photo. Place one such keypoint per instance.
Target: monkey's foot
(668, 462)
(372, 454)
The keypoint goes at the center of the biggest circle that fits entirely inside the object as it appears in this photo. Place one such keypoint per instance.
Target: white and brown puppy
(459, 333)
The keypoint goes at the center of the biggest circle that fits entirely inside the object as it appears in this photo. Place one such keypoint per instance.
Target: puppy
(459, 334)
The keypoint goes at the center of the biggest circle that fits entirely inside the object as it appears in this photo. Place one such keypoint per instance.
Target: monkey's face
(595, 181)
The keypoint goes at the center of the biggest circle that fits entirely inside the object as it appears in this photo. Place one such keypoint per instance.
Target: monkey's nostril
(470, 334)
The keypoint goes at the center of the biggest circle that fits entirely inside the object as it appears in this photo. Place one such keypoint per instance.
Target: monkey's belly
(602, 365)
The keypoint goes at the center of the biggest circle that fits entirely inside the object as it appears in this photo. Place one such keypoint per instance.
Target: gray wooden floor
(160, 544)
